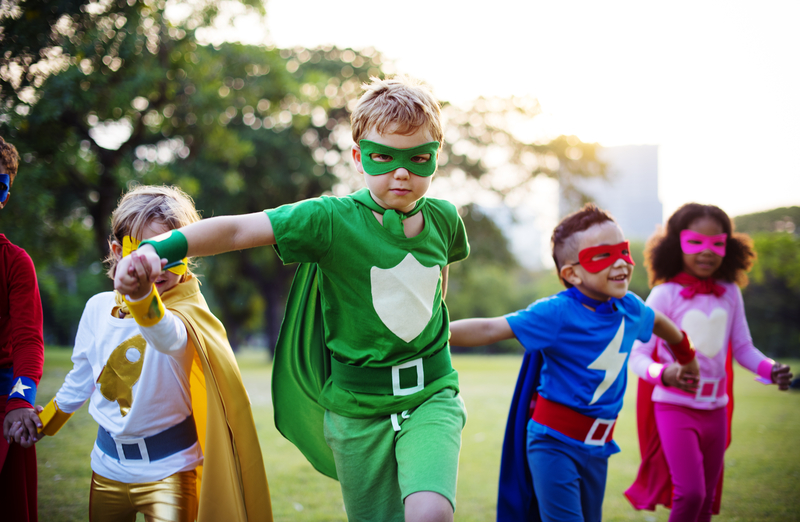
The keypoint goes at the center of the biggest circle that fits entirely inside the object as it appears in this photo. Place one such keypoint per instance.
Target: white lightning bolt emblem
(610, 361)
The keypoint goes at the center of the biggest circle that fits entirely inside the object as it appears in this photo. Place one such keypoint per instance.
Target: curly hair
(663, 256)
(561, 242)
(9, 158)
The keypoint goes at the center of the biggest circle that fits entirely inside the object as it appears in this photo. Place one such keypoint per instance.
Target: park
(100, 97)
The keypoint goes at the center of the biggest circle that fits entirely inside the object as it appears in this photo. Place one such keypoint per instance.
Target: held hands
(781, 376)
(137, 272)
(684, 377)
(22, 426)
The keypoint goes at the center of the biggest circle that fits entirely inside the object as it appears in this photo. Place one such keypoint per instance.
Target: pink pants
(694, 446)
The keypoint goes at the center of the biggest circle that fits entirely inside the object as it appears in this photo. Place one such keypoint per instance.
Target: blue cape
(516, 499)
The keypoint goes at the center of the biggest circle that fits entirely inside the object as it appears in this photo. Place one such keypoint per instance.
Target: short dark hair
(583, 219)
(663, 256)
(9, 157)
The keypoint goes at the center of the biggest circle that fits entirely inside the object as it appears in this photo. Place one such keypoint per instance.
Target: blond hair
(167, 205)
(398, 105)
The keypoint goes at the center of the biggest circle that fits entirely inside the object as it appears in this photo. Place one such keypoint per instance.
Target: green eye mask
(396, 158)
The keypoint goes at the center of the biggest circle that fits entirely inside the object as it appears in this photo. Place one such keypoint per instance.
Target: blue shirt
(585, 353)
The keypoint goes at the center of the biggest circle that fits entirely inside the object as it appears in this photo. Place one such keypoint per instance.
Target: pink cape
(653, 484)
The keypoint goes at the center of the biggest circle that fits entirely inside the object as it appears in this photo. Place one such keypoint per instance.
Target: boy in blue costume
(574, 373)
(379, 384)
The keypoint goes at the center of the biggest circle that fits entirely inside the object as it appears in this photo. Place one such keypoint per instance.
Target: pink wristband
(765, 370)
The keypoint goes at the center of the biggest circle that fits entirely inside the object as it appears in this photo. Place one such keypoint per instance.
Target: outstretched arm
(206, 238)
(226, 233)
(478, 332)
(683, 376)
(664, 327)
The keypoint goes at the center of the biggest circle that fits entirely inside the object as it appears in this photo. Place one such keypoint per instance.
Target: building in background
(630, 192)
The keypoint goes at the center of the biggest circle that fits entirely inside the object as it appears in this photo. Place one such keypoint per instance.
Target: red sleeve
(25, 317)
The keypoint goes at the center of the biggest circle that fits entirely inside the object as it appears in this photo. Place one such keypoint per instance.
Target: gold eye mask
(130, 244)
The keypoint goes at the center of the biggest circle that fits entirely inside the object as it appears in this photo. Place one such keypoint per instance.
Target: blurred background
(245, 105)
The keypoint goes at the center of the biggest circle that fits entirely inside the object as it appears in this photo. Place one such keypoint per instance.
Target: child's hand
(22, 426)
(689, 373)
(781, 376)
(137, 272)
(682, 377)
(125, 282)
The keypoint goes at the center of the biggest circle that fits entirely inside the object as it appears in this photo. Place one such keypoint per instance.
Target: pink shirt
(713, 324)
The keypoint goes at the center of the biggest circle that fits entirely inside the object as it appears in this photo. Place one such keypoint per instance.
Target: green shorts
(379, 467)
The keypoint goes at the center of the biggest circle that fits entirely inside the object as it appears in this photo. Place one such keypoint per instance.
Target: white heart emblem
(403, 296)
(706, 332)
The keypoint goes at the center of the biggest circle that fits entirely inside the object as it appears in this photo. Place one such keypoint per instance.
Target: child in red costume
(21, 360)
(684, 427)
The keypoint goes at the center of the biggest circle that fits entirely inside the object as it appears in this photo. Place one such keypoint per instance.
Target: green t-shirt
(381, 294)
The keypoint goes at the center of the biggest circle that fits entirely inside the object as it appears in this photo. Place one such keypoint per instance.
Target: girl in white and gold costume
(176, 438)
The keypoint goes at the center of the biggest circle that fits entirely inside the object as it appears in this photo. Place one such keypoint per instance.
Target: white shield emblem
(403, 296)
(706, 332)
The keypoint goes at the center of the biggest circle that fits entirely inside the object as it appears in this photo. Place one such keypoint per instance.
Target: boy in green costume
(376, 376)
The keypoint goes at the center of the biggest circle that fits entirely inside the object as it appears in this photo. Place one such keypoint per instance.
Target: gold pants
(173, 499)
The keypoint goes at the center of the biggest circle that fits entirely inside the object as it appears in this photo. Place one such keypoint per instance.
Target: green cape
(301, 366)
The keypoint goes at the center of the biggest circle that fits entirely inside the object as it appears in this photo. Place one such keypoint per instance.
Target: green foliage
(778, 257)
(481, 146)
(240, 128)
(639, 284)
(784, 219)
(98, 96)
(772, 299)
(64, 291)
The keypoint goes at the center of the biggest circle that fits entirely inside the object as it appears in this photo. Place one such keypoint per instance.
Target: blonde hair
(167, 205)
(397, 105)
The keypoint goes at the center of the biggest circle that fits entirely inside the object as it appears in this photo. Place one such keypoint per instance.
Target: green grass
(762, 473)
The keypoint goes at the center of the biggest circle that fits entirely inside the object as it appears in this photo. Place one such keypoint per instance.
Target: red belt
(569, 422)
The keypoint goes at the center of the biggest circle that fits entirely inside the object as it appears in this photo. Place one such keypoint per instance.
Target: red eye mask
(597, 258)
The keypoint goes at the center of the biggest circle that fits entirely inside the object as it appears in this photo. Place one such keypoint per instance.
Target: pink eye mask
(694, 242)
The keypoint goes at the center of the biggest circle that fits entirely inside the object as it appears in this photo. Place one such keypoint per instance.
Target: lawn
(762, 466)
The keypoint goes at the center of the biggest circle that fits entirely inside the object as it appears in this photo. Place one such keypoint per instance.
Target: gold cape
(232, 483)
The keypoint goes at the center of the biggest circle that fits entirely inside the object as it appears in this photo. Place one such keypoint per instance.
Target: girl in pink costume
(684, 421)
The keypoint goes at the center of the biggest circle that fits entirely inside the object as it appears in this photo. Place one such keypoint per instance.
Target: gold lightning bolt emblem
(122, 371)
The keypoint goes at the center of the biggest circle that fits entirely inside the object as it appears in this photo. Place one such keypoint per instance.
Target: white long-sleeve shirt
(713, 324)
(159, 398)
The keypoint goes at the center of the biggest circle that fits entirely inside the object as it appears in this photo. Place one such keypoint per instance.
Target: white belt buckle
(609, 423)
(142, 450)
(707, 397)
(396, 389)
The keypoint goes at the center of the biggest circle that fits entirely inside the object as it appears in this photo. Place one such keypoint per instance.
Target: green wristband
(171, 245)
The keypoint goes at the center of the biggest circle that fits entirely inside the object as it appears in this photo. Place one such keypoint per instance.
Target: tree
(772, 299)
(784, 219)
(73, 69)
(183, 113)
(100, 95)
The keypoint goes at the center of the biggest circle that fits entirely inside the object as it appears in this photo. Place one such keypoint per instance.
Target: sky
(714, 84)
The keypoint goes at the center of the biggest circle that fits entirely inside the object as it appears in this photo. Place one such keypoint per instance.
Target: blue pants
(569, 481)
